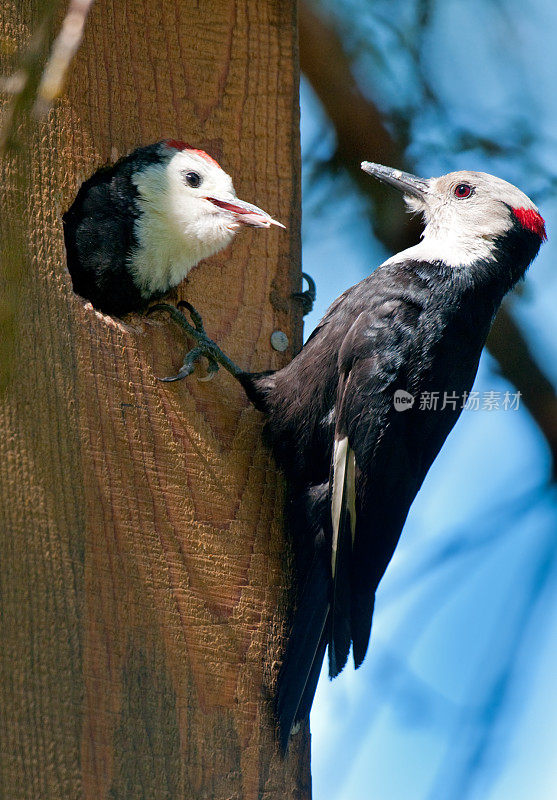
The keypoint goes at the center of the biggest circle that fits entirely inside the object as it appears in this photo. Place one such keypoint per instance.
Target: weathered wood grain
(144, 572)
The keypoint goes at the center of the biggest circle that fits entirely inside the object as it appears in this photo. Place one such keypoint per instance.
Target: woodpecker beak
(245, 213)
(404, 181)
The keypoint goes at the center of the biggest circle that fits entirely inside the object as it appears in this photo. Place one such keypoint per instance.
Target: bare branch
(35, 83)
(63, 50)
(360, 129)
(26, 80)
(507, 344)
(362, 134)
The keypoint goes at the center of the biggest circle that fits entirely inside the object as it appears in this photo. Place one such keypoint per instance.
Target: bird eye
(463, 190)
(193, 179)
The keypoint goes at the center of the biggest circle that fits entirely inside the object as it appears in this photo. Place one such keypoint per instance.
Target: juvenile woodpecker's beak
(404, 181)
(245, 213)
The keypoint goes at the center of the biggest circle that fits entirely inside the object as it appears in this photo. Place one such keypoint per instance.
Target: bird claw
(206, 348)
(179, 317)
(190, 360)
(194, 314)
(308, 297)
(212, 369)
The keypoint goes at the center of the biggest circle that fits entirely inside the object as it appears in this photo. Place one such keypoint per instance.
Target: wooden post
(144, 574)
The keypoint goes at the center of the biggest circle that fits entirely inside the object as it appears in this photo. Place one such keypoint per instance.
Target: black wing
(407, 327)
(375, 475)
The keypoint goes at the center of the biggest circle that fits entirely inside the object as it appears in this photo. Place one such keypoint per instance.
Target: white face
(176, 190)
(189, 212)
(465, 211)
(483, 208)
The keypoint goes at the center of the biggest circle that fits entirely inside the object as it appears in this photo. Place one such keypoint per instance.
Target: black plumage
(414, 325)
(100, 235)
(353, 462)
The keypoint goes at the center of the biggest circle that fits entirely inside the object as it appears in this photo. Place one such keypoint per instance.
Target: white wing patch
(350, 491)
(344, 492)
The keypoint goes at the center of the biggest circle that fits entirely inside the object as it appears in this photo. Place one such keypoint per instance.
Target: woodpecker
(136, 228)
(353, 461)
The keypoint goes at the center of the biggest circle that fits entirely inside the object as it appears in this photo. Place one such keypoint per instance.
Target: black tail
(305, 651)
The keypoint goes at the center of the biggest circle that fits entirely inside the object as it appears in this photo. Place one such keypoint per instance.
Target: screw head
(279, 341)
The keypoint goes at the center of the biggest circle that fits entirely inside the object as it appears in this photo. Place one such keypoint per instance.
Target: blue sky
(457, 696)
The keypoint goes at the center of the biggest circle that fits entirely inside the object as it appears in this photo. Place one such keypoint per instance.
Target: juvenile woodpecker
(135, 229)
(353, 461)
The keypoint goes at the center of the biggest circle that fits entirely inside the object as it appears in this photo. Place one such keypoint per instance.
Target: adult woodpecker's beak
(245, 213)
(404, 181)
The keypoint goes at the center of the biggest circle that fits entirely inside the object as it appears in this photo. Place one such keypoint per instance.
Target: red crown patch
(177, 144)
(530, 219)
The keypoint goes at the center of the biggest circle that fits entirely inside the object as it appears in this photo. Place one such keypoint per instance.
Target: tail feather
(306, 702)
(343, 532)
(300, 669)
(340, 634)
(362, 613)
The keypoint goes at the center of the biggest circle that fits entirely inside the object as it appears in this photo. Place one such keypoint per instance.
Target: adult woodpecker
(354, 463)
(135, 229)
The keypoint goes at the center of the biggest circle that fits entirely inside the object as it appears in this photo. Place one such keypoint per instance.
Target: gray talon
(205, 346)
(194, 314)
(187, 367)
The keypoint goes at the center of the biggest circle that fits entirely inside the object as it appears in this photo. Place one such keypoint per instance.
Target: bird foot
(206, 347)
(308, 297)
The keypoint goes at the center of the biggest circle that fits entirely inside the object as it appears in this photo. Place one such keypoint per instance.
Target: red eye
(463, 190)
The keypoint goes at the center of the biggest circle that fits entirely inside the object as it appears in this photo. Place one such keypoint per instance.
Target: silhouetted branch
(362, 134)
(509, 347)
(24, 83)
(63, 50)
(360, 130)
(36, 81)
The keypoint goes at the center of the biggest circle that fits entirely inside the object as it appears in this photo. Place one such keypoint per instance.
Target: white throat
(173, 236)
(454, 250)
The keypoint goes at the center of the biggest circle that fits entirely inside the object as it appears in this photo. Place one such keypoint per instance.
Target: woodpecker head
(470, 217)
(137, 228)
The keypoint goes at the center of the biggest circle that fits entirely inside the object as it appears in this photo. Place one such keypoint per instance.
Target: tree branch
(360, 130)
(32, 88)
(24, 84)
(362, 134)
(63, 50)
